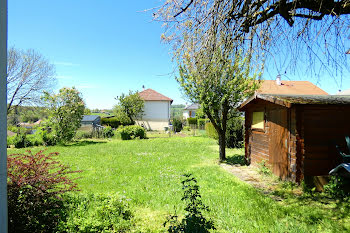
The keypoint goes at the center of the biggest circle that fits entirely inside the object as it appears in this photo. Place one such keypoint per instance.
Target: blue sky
(105, 48)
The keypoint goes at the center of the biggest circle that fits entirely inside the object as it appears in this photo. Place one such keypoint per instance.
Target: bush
(35, 139)
(194, 221)
(10, 141)
(35, 183)
(338, 187)
(97, 213)
(201, 123)
(82, 134)
(108, 132)
(177, 125)
(112, 122)
(131, 132)
(192, 121)
(211, 131)
(21, 141)
(187, 128)
(49, 137)
(235, 132)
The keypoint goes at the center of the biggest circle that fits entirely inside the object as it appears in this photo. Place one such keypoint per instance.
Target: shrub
(201, 123)
(10, 141)
(35, 184)
(235, 132)
(35, 139)
(187, 128)
(192, 121)
(81, 134)
(338, 187)
(21, 141)
(177, 125)
(49, 137)
(108, 132)
(211, 131)
(97, 213)
(112, 122)
(194, 221)
(131, 132)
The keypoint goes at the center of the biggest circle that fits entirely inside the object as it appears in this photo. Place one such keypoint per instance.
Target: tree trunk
(222, 147)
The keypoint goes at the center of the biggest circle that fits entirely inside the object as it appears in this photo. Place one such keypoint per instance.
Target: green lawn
(148, 172)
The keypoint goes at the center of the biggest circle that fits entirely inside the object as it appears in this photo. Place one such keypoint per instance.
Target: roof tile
(150, 94)
(290, 88)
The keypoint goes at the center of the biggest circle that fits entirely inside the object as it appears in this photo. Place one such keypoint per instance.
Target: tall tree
(67, 110)
(219, 84)
(28, 75)
(132, 105)
(311, 35)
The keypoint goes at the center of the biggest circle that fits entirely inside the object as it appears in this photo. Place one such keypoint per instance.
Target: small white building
(156, 113)
(190, 111)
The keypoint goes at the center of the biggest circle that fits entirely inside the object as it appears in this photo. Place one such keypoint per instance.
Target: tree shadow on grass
(84, 143)
(235, 160)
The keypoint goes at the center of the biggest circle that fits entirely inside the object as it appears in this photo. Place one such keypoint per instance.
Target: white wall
(186, 114)
(156, 110)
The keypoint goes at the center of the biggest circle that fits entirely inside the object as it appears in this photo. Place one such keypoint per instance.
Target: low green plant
(194, 221)
(35, 139)
(186, 128)
(111, 121)
(201, 123)
(210, 131)
(192, 120)
(96, 213)
(10, 141)
(263, 168)
(338, 187)
(21, 141)
(177, 125)
(49, 137)
(132, 132)
(83, 134)
(108, 132)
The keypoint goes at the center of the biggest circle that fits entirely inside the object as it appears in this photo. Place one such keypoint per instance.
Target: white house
(190, 111)
(156, 113)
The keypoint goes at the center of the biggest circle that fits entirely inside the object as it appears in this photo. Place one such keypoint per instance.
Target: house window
(258, 120)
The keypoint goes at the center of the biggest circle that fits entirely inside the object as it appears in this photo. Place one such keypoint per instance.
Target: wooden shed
(296, 134)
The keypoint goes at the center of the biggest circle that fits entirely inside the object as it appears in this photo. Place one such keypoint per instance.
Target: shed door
(278, 146)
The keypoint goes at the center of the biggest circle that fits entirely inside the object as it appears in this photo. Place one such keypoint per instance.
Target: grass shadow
(84, 143)
(236, 160)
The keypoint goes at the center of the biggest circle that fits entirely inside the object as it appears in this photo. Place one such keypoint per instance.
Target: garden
(135, 186)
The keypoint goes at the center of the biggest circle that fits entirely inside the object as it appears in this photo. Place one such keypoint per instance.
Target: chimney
(278, 80)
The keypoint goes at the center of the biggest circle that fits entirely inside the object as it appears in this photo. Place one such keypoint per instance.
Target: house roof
(152, 95)
(290, 88)
(289, 100)
(192, 107)
(90, 118)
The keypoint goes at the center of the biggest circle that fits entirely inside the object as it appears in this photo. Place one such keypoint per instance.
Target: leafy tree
(29, 74)
(130, 105)
(219, 84)
(67, 109)
(312, 33)
(87, 111)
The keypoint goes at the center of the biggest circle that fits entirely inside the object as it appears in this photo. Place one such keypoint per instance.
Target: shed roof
(192, 107)
(152, 95)
(289, 100)
(90, 118)
(290, 88)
